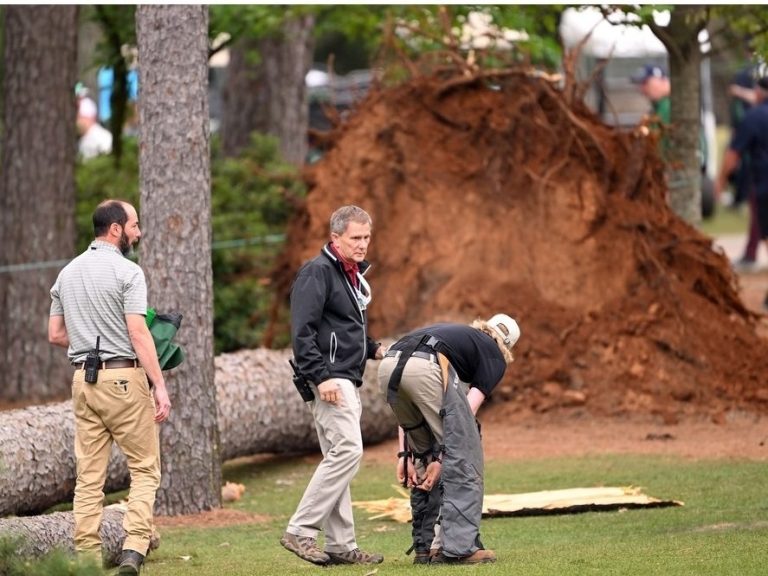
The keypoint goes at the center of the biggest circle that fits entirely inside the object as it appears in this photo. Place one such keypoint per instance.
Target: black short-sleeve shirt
(473, 354)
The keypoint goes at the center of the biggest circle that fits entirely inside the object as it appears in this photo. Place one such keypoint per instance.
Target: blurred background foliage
(251, 195)
(253, 192)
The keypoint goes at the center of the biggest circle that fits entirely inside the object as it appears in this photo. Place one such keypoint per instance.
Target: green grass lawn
(721, 530)
(726, 221)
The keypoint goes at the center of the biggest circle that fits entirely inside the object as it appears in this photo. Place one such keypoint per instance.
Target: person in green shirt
(653, 82)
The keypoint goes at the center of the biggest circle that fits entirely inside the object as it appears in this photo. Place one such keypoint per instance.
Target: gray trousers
(327, 504)
(420, 398)
(462, 473)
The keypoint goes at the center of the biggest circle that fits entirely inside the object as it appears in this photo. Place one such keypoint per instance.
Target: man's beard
(125, 245)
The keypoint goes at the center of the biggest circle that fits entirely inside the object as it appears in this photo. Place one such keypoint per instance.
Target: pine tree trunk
(259, 411)
(682, 43)
(37, 193)
(39, 535)
(175, 180)
(239, 103)
(684, 151)
(270, 96)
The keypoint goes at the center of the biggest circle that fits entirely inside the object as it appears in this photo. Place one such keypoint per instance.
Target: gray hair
(346, 214)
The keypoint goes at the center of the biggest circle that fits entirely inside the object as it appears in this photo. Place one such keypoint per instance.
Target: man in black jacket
(329, 298)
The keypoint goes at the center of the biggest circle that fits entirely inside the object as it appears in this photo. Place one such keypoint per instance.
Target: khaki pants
(119, 407)
(419, 399)
(326, 504)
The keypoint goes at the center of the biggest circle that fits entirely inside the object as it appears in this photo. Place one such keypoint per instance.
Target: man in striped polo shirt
(103, 294)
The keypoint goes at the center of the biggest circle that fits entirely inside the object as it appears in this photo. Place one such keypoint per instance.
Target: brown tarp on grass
(567, 501)
(570, 501)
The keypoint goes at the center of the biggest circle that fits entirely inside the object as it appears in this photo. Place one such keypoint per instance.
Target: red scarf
(350, 268)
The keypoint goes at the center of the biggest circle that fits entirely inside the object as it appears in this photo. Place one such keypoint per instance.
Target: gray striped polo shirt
(94, 292)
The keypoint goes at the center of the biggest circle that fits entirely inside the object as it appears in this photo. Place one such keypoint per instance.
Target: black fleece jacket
(328, 325)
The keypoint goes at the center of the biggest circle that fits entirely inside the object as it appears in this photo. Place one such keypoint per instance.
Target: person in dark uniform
(742, 97)
(751, 137)
(435, 379)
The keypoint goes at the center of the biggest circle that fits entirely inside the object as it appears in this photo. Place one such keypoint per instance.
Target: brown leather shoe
(305, 548)
(479, 557)
(355, 556)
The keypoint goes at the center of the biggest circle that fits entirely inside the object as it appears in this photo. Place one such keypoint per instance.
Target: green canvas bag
(163, 328)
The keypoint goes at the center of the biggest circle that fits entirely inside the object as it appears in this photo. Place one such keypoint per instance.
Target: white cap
(87, 108)
(507, 329)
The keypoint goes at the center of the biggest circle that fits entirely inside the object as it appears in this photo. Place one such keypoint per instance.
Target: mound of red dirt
(509, 198)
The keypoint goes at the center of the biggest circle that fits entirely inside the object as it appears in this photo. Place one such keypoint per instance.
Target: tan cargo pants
(119, 407)
(419, 399)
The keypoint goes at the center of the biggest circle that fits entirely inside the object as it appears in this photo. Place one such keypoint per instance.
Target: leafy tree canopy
(420, 27)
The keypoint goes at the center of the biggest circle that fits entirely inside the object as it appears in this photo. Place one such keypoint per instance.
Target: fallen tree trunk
(259, 411)
(39, 535)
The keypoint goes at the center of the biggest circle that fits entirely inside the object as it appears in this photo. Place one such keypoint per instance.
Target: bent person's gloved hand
(432, 476)
(400, 472)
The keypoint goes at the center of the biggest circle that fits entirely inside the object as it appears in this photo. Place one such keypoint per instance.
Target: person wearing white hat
(94, 138)
(435, 379)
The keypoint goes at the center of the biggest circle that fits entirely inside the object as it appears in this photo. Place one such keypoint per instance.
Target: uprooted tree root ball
(506, 197)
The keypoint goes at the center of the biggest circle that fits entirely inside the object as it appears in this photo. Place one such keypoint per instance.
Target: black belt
(116, 363)
(424, 355)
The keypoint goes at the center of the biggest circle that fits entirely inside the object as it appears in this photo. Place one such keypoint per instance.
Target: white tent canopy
(612, 39)
(609, 39)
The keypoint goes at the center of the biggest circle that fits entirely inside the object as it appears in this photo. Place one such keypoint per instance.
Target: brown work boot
(424, 557)
(130, 563)
(305, 548)
(479, 557)
(355, 556)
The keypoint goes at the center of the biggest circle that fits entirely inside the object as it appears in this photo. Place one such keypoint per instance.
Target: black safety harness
(410, 346)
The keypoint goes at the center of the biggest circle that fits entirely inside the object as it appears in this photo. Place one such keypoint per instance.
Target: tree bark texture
(681, 38)
(175, 182)
(37, 193)
(239, 111)
(39, 535)
(259, 411)
(265, 90)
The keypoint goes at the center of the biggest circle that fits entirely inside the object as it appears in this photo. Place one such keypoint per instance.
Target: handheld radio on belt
(301, 383)
(92, 364)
